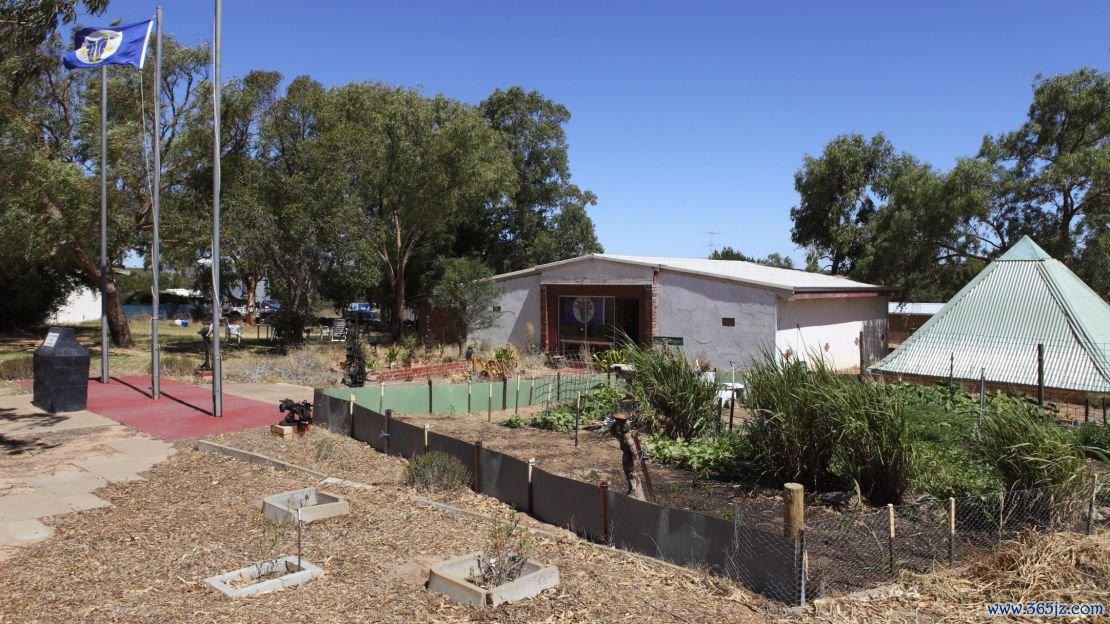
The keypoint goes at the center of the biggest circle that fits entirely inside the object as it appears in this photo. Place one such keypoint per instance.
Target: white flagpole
(104, 224)
(217, 388)
(155, 356)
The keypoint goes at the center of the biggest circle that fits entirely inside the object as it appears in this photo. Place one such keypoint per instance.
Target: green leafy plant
(393, 354)
(1094, 440)
(671, 396)
(602, 360)
(514, 422)
(556, 419)
(708, 456)
(436, 472)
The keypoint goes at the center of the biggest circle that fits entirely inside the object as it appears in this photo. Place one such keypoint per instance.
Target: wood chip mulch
(197, 515)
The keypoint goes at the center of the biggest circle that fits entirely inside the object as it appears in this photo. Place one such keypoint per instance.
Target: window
(728, 321)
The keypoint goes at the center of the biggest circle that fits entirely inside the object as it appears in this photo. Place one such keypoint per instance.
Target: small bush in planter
(436, 472)
(506, 551)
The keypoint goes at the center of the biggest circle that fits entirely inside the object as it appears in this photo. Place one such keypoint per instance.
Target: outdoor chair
(339, 330)
(235, 331)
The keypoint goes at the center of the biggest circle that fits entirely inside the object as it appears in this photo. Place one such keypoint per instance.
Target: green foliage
(708, 456)
(604, 359)
(514, 422)
(466, 293)
(773, 260)
(1029, 449)
(393, 354)
(1095, 441)
(672, 398)
(436, 472)
(601, 401)
(559, 418)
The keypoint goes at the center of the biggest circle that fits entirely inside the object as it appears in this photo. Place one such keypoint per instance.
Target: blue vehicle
(363, 311)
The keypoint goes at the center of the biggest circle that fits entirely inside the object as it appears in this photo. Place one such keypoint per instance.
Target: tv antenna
(710, 245)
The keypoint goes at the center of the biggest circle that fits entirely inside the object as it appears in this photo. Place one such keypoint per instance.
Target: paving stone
(31, 506)
(67, 484)
(116, 470)
(23, 531)
(142, 447)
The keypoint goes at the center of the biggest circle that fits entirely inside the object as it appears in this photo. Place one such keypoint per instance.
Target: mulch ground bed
(197, 515)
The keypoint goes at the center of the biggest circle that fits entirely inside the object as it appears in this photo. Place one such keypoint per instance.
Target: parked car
(265, 309)
(363, 311)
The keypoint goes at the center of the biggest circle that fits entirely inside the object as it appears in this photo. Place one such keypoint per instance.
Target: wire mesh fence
(1070, 374)
(858, 549)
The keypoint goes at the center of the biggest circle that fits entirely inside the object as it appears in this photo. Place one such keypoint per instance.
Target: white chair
(235, 331)
(339, 330)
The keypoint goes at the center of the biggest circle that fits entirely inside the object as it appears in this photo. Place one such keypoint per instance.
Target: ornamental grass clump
(672, 398)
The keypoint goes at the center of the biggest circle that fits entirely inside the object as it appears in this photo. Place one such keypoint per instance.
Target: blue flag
(114, 45)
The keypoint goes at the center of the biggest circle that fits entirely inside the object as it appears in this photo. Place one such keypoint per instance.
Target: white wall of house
(692, 307)
(829, 327)
(520, 310)
(82, 305)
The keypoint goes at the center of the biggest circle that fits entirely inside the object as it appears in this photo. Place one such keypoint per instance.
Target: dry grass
(1059, 567)
(314, 366)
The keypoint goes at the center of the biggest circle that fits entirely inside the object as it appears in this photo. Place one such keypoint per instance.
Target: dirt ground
(145, 559)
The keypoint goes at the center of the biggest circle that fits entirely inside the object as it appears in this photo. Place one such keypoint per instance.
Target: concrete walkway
(51, 463)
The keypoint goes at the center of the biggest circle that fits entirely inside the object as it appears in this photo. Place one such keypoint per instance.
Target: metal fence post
(385, 432)
(1040, 374)
(951, 531)
(381, 397)
(516, 407)
(351, 417)
(426, 426)
(469, 394)
(982, 393)
(531, 466)
(1001, 512)
(890, 517)
(577, 417)
(478, 466)
(489, 406)
(602, 489)
(430, 410)
(1091, 506)
(558, 387)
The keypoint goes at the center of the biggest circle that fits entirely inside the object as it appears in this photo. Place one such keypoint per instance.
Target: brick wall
(420, 372)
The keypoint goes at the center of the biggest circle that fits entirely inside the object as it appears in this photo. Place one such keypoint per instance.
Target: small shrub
(506, 550)
(17, 368)
(558, 419)
(393, 354)
(178, 365)
(514, 422)
(1029, 449)
(436, 472)
(325, 449)
(601, 401)
(604, 359)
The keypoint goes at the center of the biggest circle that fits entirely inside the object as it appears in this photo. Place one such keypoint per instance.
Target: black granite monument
(61, 372)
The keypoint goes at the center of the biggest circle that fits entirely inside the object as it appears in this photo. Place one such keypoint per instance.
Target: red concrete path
(182, 413)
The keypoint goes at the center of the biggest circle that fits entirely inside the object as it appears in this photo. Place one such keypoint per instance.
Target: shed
(993, 326)
(721, 312)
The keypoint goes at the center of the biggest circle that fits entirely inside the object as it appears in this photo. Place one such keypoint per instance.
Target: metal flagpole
(155, 357)
(104, 224)
(217, 388)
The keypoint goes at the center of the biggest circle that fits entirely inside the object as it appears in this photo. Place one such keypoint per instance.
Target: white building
(723, 312)
(83, 304)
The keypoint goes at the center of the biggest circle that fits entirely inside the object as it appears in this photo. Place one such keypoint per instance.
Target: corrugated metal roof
(789, 280)
(994, 324)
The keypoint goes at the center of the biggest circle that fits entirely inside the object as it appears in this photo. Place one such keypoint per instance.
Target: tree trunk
(252, 286)
(117, 322)
(398, 304)
(628, 464)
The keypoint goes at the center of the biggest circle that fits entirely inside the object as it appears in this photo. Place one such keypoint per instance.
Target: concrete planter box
(227, 584)
(450, 578)
(313, 505)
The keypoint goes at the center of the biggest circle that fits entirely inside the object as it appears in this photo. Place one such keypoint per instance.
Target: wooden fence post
(468, 396)
(381, 397)
(1040, 374)
(794, 511)
(351, 417)
(426, 426)
(430, 410)
(489, 406)
(516, 407)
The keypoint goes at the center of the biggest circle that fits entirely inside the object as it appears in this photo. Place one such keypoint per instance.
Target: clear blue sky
(688, 117)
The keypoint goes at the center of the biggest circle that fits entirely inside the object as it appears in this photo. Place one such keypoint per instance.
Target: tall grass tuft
(673, 399)
(1029, 449)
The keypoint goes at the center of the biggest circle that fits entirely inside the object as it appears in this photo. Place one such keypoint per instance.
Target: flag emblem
(99, 45)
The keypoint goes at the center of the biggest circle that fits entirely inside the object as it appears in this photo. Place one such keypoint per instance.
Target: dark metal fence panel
(367, 427)
(691, 537)
(635, 525)
(458, 449)
(405, 439)
(764, 562)
(330, 412)
(504, 478)
(567, 503)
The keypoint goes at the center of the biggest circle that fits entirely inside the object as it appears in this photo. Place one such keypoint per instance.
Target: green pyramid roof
(994, 324)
